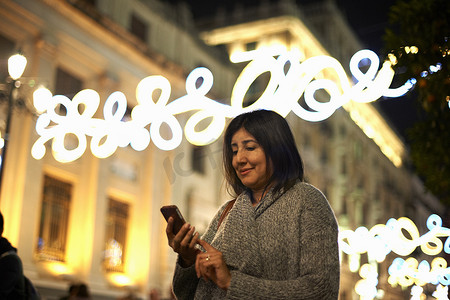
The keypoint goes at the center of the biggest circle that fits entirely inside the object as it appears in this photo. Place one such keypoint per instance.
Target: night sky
(369, 20)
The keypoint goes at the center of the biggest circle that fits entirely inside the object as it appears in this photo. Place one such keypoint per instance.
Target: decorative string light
(401, 237)
(282, 95)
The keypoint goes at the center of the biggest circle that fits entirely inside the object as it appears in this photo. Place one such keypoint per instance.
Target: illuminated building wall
(97, 220)
(110, 232)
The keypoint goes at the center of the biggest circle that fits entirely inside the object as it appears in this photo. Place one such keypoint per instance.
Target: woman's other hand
(210, 265)
(183, 242)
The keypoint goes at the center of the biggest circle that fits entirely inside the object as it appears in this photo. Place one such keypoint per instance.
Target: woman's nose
(240, 157)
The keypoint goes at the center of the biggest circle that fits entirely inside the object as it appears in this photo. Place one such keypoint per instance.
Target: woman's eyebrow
(245, 142)
(249, 141)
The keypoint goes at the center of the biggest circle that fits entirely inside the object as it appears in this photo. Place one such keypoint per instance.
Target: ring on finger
(207, 258)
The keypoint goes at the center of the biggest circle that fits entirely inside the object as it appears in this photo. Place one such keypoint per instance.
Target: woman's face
(249, 160)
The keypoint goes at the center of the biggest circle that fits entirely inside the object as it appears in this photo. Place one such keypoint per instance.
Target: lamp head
(16, 65)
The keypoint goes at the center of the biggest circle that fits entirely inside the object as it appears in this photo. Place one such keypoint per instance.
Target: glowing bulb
(16, 65)
(414, 50)
(393, 59)
(434, 69)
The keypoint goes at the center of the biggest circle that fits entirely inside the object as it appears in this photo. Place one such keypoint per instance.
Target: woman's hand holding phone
(183, 242)
(209, 265)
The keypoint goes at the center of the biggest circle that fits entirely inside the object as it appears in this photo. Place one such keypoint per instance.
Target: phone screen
(173, 211)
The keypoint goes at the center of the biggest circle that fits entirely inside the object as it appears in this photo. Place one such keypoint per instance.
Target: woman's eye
(250, 148)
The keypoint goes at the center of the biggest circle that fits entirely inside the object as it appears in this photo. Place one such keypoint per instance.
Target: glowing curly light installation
(289, 80)
(367, 287)
(401, 237)
(441, 293)
(381, 239)
(410, 271)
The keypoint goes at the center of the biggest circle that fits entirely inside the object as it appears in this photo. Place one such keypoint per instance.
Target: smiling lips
(244, 172)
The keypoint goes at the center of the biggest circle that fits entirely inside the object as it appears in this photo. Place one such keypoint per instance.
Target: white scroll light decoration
(382, 239)
(282, 95)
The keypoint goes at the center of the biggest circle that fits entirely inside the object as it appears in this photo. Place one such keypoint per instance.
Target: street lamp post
(16, 67)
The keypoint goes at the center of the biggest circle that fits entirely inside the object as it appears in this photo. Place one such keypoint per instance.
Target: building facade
(97, 220)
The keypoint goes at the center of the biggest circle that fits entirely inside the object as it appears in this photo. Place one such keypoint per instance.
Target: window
(54, 219)
(84, 2)
(138, 27)
(116, 235)
(342, 130)
(89, 7)
(67, 85)
(344, 164)
(198, 159)
(250, 46)
(306, 140)
(325, 128)
(344, 206)
(91, 2)
(358, 150)
(366, 213)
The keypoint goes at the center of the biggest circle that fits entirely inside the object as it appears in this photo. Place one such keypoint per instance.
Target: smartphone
(173, 211)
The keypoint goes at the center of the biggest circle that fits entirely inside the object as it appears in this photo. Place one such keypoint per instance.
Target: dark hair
(275, 137)
(1, 224)
(83, 290)
(73, 288)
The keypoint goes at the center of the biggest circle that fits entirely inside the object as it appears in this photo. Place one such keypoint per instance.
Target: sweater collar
(269, 198)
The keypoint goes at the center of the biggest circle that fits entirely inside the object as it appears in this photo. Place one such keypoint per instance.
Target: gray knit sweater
(285, 248)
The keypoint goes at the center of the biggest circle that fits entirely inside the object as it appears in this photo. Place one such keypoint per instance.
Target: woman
(278, 241)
